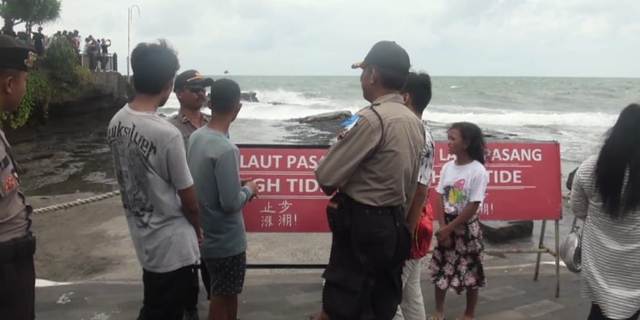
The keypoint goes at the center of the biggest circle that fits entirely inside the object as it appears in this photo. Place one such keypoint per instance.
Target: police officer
(190, 89)
(374, 168)
(17, 245)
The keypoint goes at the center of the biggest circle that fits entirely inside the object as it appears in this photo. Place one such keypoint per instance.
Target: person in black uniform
(17, 244)
(373, 169)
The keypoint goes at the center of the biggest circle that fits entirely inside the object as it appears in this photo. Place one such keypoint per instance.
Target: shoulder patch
(350, 122)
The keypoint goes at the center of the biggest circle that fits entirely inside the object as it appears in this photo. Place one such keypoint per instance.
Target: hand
(200, 236)
(444, 234)
(446, 243)
(253, 186)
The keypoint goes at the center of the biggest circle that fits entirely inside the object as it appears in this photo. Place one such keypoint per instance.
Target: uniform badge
(347, 124)
(350, 122)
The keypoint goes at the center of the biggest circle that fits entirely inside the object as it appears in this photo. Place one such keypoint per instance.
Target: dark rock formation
(249, 96)
(503, 231)
(328, 116)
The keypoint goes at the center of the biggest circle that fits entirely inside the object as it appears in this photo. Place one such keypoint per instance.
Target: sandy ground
(92, 242)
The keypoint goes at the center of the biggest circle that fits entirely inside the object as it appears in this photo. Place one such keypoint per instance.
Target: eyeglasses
(195, 89)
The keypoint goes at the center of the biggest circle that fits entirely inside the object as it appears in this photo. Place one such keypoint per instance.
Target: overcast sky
(323, 37)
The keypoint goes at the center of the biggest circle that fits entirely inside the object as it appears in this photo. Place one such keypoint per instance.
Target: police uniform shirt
(14, 212)
(372, 174)
(185, 126)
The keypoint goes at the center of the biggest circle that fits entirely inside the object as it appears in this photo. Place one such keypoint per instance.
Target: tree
(29, 12)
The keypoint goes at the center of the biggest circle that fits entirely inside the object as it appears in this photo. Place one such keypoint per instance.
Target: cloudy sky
(323, 37)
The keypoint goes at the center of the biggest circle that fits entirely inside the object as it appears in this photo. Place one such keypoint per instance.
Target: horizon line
(432, 75)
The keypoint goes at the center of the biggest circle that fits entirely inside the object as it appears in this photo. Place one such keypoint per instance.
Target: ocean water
(576, 112)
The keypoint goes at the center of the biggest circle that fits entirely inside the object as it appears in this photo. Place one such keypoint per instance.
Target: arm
(422, 191)
(415, 211)
(346, 154)
(190, 208)
(467, 213)
(439, 208)
(439, 212)
(328, 190)
(232, 196)
(579, 200)
(180, 177)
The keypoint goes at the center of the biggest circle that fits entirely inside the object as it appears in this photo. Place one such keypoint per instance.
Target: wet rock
(504, 231)
(109, 91)
(249, 96)
(328, 116)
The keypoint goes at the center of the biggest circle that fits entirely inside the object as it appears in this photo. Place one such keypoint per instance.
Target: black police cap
(15, 55)
(191, 78)
(388, 55)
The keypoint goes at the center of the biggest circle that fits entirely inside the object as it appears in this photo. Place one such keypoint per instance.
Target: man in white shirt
(157, 189)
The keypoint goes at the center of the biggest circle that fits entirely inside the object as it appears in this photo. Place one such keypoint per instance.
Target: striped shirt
(610, 249)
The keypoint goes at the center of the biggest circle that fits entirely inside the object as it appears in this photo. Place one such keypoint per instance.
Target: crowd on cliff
(96, 50)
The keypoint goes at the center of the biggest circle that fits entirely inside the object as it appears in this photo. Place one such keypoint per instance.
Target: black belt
(372, 210)
(17, 249)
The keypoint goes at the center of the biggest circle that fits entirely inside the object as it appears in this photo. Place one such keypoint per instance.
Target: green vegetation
(63, 69)
(57, 78)
(29, 12)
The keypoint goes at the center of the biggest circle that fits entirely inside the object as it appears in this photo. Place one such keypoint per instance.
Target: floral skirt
(459, 266)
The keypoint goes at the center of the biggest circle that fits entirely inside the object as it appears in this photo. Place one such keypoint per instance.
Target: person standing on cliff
(17, 244)
(190, 90)
(38, 41)
(374, 168)
(156, 186)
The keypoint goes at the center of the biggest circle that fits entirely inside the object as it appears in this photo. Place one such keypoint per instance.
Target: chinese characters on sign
(283, 218)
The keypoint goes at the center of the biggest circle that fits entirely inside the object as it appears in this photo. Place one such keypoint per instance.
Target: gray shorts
(227, 274)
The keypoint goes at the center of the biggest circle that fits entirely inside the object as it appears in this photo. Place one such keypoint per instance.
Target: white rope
(77, 203)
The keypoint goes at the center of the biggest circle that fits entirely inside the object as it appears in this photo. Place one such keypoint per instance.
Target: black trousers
(17, 279)
(195, 290)
(167, 295)
(596, 314)
(369, 247)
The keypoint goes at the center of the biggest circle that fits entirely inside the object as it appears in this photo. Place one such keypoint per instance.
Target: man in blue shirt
(214, 163)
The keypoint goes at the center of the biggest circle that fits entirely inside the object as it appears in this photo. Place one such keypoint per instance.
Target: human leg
(163, 295)
(227, 280)
(412, 305)
(472, 301)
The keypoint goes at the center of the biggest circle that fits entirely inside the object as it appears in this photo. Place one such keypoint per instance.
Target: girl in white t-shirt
(457, 259)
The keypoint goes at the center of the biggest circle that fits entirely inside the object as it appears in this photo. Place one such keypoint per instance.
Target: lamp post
(130, 11)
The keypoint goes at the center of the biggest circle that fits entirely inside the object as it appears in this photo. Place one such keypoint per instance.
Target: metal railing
(100, 63)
